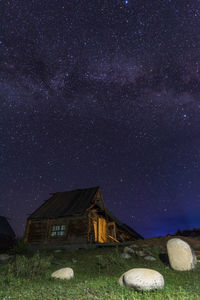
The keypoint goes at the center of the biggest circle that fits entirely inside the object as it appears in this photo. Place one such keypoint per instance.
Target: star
(102, 95)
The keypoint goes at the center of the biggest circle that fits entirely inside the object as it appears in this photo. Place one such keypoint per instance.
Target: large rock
(64, 273)
(142, 279)
(181, 255)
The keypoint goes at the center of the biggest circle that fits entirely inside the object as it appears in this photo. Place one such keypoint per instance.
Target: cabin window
(58, 230)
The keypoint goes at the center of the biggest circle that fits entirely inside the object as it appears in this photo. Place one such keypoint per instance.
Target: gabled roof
(5, 228)
(63, 204)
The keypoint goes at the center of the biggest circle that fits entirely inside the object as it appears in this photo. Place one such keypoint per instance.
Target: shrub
(23, 266)
(20, 247)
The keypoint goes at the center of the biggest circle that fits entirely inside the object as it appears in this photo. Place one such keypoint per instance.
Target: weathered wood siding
(37, 231)
(76, 231)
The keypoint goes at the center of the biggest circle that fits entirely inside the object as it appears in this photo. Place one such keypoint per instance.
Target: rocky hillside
(161, 242)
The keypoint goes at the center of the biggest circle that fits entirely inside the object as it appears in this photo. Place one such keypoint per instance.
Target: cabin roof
(68, 203)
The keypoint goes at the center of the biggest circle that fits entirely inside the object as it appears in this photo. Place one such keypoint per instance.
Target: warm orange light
(95, 230)
(102, 230)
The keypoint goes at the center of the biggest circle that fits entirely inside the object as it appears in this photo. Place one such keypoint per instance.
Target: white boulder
(64, 273)
(181, 255)
(142, 279)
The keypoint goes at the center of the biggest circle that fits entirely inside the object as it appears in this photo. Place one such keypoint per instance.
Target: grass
(97, 272)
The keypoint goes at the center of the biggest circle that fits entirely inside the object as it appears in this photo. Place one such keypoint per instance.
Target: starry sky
(102, 93)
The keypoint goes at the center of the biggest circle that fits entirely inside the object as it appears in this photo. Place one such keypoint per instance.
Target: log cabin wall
(37, 231)
(78, 231)
(69, 230)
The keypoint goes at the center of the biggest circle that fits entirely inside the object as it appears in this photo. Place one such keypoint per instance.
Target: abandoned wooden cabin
(76, 217)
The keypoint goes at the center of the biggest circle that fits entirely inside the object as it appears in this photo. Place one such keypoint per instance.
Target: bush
(23, 266)
(20, 247)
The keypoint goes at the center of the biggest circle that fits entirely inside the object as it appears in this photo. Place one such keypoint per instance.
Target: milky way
(102, 93)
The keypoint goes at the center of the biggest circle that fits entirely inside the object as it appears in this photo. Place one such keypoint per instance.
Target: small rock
(64, 273)
(58, 251)
(74, 260)
(134, 246)
(181, 256)
(126, 255)
(128, 250)
(140, 253)
(142, 279)
(4, 257)
(149, 257)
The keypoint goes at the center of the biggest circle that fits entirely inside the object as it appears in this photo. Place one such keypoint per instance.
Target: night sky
(102, 93)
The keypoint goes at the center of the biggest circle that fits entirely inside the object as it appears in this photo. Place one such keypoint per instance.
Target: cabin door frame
(99, 227)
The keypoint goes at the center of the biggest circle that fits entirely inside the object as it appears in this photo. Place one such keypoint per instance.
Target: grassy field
(28, 276)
